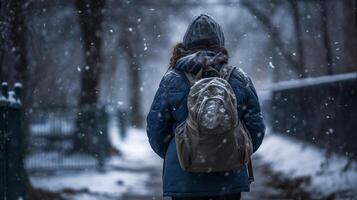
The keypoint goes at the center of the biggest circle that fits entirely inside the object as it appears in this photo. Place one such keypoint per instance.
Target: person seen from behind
(205, 120)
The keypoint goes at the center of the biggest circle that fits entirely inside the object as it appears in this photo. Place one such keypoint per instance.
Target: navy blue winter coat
(169, 108)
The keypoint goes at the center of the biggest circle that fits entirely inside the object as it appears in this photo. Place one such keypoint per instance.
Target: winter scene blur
(79, 77)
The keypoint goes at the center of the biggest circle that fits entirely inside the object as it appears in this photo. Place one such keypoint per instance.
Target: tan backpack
(212, 138)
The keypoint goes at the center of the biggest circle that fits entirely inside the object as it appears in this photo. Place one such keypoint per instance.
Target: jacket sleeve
(252, 116)
(160, 121)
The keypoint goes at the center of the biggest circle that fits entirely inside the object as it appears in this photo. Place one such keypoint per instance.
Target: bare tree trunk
(350, 35)
(128, 41)
(135, 96)
(326, 36)
(90, 19)
(136, 118)
(299, 35)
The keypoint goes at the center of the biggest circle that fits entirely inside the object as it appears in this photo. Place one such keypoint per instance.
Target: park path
(136, 175)
(260, 188)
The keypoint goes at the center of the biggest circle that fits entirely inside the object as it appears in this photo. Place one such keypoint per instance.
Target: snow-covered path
(277, 166)
(135, 173)
(326, 174)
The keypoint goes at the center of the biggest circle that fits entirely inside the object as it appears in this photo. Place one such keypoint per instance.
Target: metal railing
(48, 143)
(321, 111)
(12, 173)
(52, 135)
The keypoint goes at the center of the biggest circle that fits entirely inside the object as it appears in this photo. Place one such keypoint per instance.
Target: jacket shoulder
(173, 78)
(168, 77)
(239, 75)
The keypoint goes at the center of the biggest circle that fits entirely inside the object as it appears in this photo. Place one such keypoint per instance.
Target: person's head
(204, 33)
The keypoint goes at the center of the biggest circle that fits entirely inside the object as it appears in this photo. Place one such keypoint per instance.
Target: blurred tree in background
(325, 33)
(134, 41)
(130, 42)
(90, 16)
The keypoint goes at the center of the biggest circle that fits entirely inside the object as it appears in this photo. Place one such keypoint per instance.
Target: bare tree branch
(299, 35)
(326, 36)
(274, 34)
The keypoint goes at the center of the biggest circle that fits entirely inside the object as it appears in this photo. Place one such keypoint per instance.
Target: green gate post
(3, 153)
(12, 147)
(15, 147)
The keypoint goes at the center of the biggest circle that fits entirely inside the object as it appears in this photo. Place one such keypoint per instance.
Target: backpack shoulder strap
(190, 78)
(250, 171)
(226, 71)
(193, 78)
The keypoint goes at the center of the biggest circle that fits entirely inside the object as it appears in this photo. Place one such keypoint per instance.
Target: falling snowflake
(271, 65)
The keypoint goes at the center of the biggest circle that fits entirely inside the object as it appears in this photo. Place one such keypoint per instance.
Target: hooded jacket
(169, 108)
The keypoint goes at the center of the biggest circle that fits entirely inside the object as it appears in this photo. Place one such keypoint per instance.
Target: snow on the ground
(295, 159)
(136, 151)
(113, 181)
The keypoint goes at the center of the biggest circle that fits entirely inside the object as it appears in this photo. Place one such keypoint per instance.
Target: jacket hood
(203, 31)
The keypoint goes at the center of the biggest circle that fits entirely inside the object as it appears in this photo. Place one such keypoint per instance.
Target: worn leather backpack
(212, 138)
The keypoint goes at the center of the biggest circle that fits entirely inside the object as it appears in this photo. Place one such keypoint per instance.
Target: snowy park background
(90, 69)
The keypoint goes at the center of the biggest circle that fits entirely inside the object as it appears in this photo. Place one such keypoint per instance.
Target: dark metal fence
(51, 139)
(322, 111)
(52, 134)
(12, 173)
